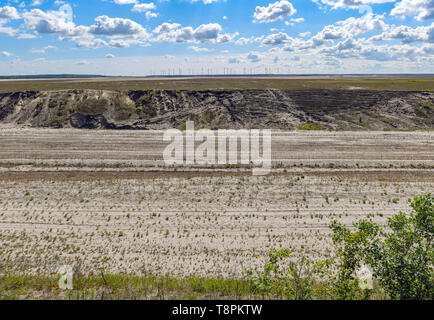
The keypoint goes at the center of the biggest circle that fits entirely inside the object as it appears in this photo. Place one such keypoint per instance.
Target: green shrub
(278, 280)
(401, 257)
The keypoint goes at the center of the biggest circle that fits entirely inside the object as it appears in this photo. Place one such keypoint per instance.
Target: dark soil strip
(379, 175)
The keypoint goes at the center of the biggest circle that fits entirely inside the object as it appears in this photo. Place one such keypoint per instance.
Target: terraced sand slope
(104, 200)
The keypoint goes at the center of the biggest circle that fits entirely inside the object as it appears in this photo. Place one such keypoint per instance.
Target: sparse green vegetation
(91, 202)
(310, 126)
(56, 122)
(401, 260)
(208, 116)
(92, 106)
(378, 83)
(62, 113)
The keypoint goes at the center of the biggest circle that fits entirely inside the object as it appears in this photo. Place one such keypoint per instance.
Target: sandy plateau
(103, 200)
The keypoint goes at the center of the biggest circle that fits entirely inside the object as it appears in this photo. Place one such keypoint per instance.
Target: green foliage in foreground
(400, 257)
(124, 287)
(294, 282)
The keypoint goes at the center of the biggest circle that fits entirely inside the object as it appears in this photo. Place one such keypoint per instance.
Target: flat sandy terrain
(410, 83)
(103, 200)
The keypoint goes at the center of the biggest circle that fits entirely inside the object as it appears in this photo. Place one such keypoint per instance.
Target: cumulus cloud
(276, 39)
(407, 34)
(50, 22)
(274, 11)
(107, 26)
(142, 7)
(243, 41)
(146, 8)
(120, 32)
(421, 9)
(348, 28)
(358, 38)
(7, 14)
(205, 33)
(166, 27)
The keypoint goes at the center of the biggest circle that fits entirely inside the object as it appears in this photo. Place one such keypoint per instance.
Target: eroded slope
(276, 109)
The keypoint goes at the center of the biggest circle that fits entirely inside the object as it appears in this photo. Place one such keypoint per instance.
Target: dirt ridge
(214, 109)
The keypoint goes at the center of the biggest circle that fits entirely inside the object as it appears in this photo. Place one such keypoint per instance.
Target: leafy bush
(400, 256)
(291, 281)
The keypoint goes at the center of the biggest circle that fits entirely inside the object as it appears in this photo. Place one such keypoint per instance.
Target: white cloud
(422, 9)
(243, 41)
(107, 26)
(36, 3)
(348, 28)
(276, 39)
(206, 1)
(27, 36)
(50, 22)
(407, 34)
(7, 54)
(142, 7)
(121, 32)
(166, 27)
(205, 33)
(335, 4)
(199, 49)
(275, 11)
(364, 38)
(123, 2)
(8, 31)
(8, 13)
(146, 8)
(43, 50)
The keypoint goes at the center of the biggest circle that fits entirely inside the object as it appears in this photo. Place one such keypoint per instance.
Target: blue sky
(136, 37)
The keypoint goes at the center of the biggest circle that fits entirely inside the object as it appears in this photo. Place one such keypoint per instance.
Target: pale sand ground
(115, 210)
